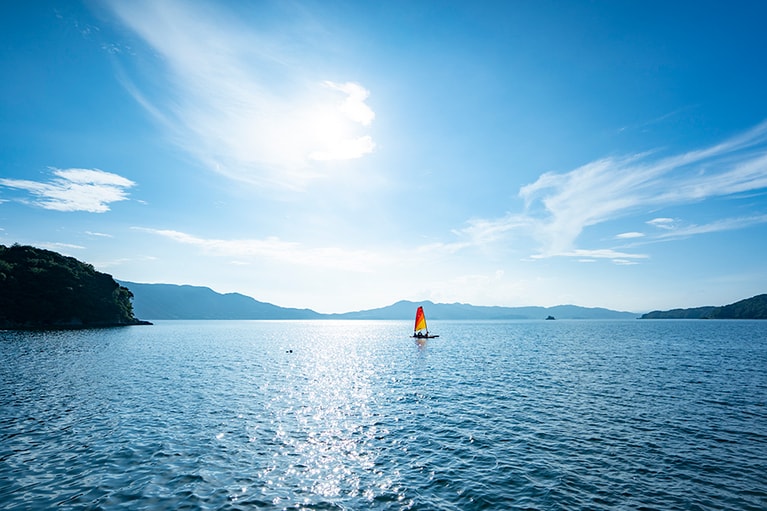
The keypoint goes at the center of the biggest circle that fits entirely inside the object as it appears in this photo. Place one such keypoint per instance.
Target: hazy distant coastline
(170, 301)
(750, 308)
(43, 289)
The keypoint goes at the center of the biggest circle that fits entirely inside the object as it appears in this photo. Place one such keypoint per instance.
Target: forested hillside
(44, 289)
(750, 308)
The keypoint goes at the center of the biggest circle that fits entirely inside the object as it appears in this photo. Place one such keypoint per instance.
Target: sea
(348, 415)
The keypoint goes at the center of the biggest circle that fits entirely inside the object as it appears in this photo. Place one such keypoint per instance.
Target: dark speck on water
(565, 415)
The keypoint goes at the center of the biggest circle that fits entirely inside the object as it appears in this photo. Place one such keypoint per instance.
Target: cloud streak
(241, 101)
(725, 224)
(90, 190)
(273, 248)
(559, 206)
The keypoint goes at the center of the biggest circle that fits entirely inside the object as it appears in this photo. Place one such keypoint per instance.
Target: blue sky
(342, 156)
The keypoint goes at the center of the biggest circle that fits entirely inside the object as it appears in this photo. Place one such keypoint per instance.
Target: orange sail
(420, 320)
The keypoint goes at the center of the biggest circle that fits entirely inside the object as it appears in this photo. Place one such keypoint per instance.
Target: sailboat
(420, 331)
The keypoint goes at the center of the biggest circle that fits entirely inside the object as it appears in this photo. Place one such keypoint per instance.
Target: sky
(342, 156)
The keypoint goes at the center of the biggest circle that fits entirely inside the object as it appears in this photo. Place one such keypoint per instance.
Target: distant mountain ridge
(405, 309)
(750, 308)
(170, 301)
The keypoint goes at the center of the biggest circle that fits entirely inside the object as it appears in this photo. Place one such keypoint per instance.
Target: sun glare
(328, 126)
(333, 126)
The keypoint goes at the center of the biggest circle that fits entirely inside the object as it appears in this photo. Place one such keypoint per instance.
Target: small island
(42, 289)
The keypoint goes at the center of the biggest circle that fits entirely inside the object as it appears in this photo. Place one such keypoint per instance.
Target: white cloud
(604, 253)
(345, 149)
(354, 105)
(60, 247)
(480, 231)
(241, 100)
(278, 250)
(559, 206)
(662, 223)
(90, 190)
(624, 262)
(725, 224)
(629, 235)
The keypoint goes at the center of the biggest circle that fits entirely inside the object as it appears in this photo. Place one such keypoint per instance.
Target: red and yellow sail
(420, 320)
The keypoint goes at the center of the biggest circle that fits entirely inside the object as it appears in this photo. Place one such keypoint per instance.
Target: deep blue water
(666, 415)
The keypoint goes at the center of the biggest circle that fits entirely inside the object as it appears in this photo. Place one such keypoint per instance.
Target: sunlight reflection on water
(323, 420)
(355, 415)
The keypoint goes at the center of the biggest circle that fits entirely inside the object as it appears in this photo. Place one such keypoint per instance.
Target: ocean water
(345, 415)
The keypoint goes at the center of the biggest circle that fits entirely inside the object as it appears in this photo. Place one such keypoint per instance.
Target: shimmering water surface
(355, 415)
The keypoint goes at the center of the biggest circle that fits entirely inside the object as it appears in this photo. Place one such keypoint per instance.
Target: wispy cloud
(662, 223)
(646, 125)
(279, 250)
(103, 265)
(90, 190)
(603, 253)
(559, 206)
(60, 247)
(354, 106)
(629, 235)
(241, 100)
(725, 224)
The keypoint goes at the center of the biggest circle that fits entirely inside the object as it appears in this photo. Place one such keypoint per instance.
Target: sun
(328, 126)
(334, 123)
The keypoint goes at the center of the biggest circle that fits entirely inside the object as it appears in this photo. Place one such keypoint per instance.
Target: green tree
(42, 288)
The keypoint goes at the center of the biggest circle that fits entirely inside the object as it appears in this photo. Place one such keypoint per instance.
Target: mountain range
(170, 301)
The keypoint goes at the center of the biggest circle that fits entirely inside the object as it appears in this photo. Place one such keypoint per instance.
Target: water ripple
(353, 415)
